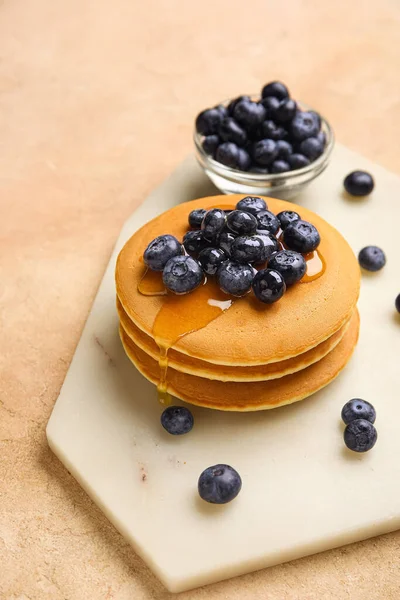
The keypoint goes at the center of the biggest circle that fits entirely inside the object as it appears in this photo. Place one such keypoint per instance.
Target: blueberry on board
(182, 274)
(270, 103)
(247, 249)
(284, 149)
(266, 220)
(211, 259)
(235, 101)
(286, 217)
(271, 245)
(358, 409)
(225, 242)
(210, 143)
(291, 265)
(280, 166)
(177, 420)
(265, 152)
(196, 217)
(259, 170)
(228, 154)
(301, 236)
(276, 89)
(194, 242)
(268, 286)
(303, 126)
(372, 258)
(312, 148)
(244, 160)
(219, 484)
(251, 204)
(241, 222)
(213, 223)
(234, 278)
(359, 183)
(270, 130)
(285, 111)
(231, 131)
(160, 250)
(360, 435)
(397, 303)
(298, 161)
(249, 114)
(208, 121)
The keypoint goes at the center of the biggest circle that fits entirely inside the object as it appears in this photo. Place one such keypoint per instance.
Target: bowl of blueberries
(266, 144)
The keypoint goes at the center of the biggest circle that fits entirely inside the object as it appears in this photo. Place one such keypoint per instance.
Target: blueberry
(298, 161)
(284, 149)
(285, 111)
(291, 265)
(182, 274)
(270, 130)
(322, 138)
(276, 89)
(219, 484)
(360, 435)
(194, 242)
(208, 121)
(271, 245)
(311, 148)
(280, 166)
(397, 303)
(177, 420)
(223, 110)
(304, 125)
(228, 154)
(259, 170)
(225, 242)
(372, 258)
(301, 236)
(358, 409)
(160, 250)
(317, 117)
(196, 217)
(211, 259)
(234, 278)
(249, 114)
(244, 160)
(233, 103)
(268, 286)
(241, 222)
(231, 131)
(270, 103)
(251, 204)
(265, 152)
(247, 249)
(359, 183)
(210, 143)
(267, 220)
(286, 217)
(213, 223)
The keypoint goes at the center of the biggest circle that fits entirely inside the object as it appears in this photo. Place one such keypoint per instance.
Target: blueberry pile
(268, 135)
(230, 245)
(359, 417)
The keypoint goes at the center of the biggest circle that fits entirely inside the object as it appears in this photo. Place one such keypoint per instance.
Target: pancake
(249, 333)
(234, 396)
(185, 364)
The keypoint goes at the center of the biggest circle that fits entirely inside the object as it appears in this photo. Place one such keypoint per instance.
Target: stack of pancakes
(252, 356)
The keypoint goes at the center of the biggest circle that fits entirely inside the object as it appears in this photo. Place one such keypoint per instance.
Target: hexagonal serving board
(303, 492)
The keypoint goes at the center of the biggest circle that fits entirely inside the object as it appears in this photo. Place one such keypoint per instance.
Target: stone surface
(81, 84)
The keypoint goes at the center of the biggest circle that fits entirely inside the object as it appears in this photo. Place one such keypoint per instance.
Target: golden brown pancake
(249, 396)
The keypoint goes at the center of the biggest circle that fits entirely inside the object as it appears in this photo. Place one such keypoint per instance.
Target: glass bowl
(279, 185)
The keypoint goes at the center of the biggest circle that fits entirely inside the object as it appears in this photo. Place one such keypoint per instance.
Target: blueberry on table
(182, 274)
(268, 286)
(247, 249)
(303, 126)
(241, 222)
(219, 484)
(225, 242)
(244, 160)
(231, 131)
(213, 223)
(270, 130)
(265, 152)
(234, 278)
(312, 148)
(397, 303)
(284, 149)
(291, 265)
(160, 250)
(280, 166)
(249, 114)
(235, 101)
(194, 242)
(271, 244)
(251, 204)
(276, 89)
(210, 143)
(270, 103)
(286, 217)
(301, 236)
(266, 220)
(196, 217)
(298, 161)
(208, 121)
(285, 111)
(359, 183)
(177, 420)
(358, 409)
(228, 154)
(211, 259)
(372, 258)
(360, 435)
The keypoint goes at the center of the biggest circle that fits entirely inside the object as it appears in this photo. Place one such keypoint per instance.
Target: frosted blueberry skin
(358, 409)
(234, 278)
(194, 242)
(359, 183)
(211, 259)
(268, 286)
(251, 204)
(286, 217)
(301, 236)
(247, 249)
(177, 420)
(372, 258)
(208, 121)
(213, 223)
(267, 221)
(196, 217)
(241, 222)
(219, 484)
(160, 250)
(182, 274)
(360, 435)
(291, 265)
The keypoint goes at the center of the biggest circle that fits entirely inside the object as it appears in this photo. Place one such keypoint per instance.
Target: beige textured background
(97, 99)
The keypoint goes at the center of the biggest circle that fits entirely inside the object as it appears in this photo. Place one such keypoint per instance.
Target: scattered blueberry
(211, 259)
(219, 484)
(225, 242)
(372, 258)
(213, 223)
(244, 160)
(228, 154)
(291, 265)
(276, 89)
(194, 241)
(234, 278)
(298, 161)
(301, 236)
(270, 130)
(285, 111)
(182, 274)
(247, 249)
(270, 103)
(280, 166)
(259, 170)
(233, 103)
(284, 149)
(358, 409)
(359, 183)
(266, 220)
(271, 244)
(265, 152)
(304, 125)
(249, 114)
(208, 121)
(177, 420)
(360, 435)
(312, 148)
(210, 143)
(286, 217)
(251, 204)
(231, 131)
(196, 217)
(397, 303)
(160, 250)
(268, 286)
(241, 222)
